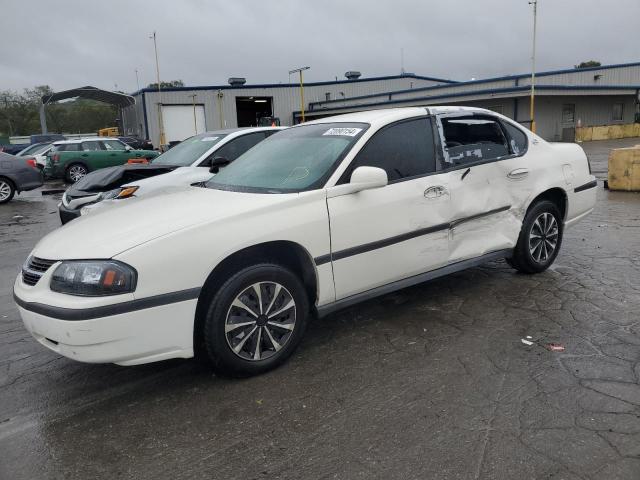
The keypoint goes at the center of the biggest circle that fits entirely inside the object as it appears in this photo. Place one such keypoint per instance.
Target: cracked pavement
(429, 382)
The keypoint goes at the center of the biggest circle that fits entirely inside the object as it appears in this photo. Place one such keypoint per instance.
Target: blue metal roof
(484, 80)
(523, 88)
(281, 85)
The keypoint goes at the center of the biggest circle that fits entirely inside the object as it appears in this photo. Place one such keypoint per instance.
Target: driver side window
(403, 150)
(238, 146)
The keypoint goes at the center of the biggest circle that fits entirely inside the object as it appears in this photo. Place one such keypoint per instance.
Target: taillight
(32, 162)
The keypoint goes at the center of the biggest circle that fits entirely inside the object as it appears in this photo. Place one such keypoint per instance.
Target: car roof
(85, 139)
(386, 115)
(228, 131)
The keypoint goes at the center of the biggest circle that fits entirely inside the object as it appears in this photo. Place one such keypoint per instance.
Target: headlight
(93, 278)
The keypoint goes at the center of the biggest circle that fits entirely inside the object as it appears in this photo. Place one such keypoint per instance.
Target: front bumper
(140, 336)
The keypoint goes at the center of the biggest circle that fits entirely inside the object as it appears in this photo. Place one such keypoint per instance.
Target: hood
(182, 176)
(109, 178)
(139, 220)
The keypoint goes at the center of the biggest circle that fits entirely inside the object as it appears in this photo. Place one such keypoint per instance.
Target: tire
(263, 341)
(75, 172)
(543, 220)
(7, 190)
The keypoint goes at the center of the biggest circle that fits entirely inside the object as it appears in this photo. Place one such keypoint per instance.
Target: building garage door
(179, 121)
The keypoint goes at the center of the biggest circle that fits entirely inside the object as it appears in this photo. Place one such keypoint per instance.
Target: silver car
(17, 174)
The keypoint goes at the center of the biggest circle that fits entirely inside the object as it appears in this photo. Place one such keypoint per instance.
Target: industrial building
(565, 100)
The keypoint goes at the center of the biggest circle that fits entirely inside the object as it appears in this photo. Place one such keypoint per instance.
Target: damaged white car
(315, 218)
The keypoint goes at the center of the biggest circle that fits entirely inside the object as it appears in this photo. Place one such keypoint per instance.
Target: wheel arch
(286, 253)
(12, 181)
(556, 195)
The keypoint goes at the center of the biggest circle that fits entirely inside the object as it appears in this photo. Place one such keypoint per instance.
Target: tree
(169, 84)
(588, 64)
(20, 113)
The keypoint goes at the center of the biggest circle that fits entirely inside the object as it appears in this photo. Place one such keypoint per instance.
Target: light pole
(533, 67)
(300, 70)
(137, 80)
(195, 122)
(160, 122)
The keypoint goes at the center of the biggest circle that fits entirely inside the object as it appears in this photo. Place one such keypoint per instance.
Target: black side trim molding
(586, 186)
(367, 247)
(107, 310)
(407, 282)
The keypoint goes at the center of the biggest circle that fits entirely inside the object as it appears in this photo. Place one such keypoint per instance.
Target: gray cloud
(71, 43)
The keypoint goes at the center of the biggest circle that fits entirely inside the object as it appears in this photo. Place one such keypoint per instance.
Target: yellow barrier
(624, 169)
(607, 132)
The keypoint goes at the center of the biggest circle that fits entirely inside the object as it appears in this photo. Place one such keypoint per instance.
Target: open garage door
(251, 109)
(179, 122)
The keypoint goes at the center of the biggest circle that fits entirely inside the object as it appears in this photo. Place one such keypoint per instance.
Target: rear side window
(90, 146)
(69, 147)
(238, 146)
(473, 139)
(517, 139)
(403, 150)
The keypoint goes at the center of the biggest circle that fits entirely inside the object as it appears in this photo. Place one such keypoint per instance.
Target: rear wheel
(255, 320)
(540, 239)
(7, 190)
(75, 172)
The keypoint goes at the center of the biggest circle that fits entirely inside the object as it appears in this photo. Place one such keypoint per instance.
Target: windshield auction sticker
(345, 132)
(209, 139)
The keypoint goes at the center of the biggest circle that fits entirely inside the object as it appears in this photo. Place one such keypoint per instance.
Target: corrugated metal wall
(285, 100)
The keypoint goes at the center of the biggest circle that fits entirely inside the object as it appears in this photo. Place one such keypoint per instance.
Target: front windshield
(34, 149)
(189, 150)
(292, 160)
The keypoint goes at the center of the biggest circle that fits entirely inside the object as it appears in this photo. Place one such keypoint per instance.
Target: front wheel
(540, 238)
(75, 172)
(255, 320)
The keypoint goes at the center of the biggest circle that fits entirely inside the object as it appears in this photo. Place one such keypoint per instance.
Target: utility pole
(195, 122)
(137, 80)
(300, 70)
(160, 122)
(533, 67)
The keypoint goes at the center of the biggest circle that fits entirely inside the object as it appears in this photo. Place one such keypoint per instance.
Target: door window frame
(346, 175)
(449, 167)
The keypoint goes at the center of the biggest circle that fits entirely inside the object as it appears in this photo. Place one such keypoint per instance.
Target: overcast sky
(68, 44)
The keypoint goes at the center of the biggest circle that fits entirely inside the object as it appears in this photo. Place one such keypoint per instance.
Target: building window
(568, 113)
(327, 96)
(618, 112)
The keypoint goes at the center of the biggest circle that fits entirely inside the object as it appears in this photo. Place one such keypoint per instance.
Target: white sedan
(313, 219)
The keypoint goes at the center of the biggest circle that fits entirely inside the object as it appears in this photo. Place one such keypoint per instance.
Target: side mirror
(362, 178)
(128, 148)
(217, 163)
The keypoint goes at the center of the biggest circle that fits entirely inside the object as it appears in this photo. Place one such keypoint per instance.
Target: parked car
(315, 218)
(73, 159)
(37, 151)
(14, 149)
(189, 162)
(17, 174)
(137, 143)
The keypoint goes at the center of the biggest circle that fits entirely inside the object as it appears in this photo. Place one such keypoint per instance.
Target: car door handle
(435, 192)
(85, 155)
(518, 173)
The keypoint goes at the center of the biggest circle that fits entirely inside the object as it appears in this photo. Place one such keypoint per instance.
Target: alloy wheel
(543, 237)
(76, 172)
(5, 190)
(260, 321)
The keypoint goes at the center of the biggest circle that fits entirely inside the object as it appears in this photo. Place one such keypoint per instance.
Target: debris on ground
(555, 347)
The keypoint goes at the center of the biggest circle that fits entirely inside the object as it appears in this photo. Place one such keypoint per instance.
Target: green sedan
(73, 159)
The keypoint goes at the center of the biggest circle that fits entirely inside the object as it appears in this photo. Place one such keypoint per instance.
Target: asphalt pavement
(432, 382)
